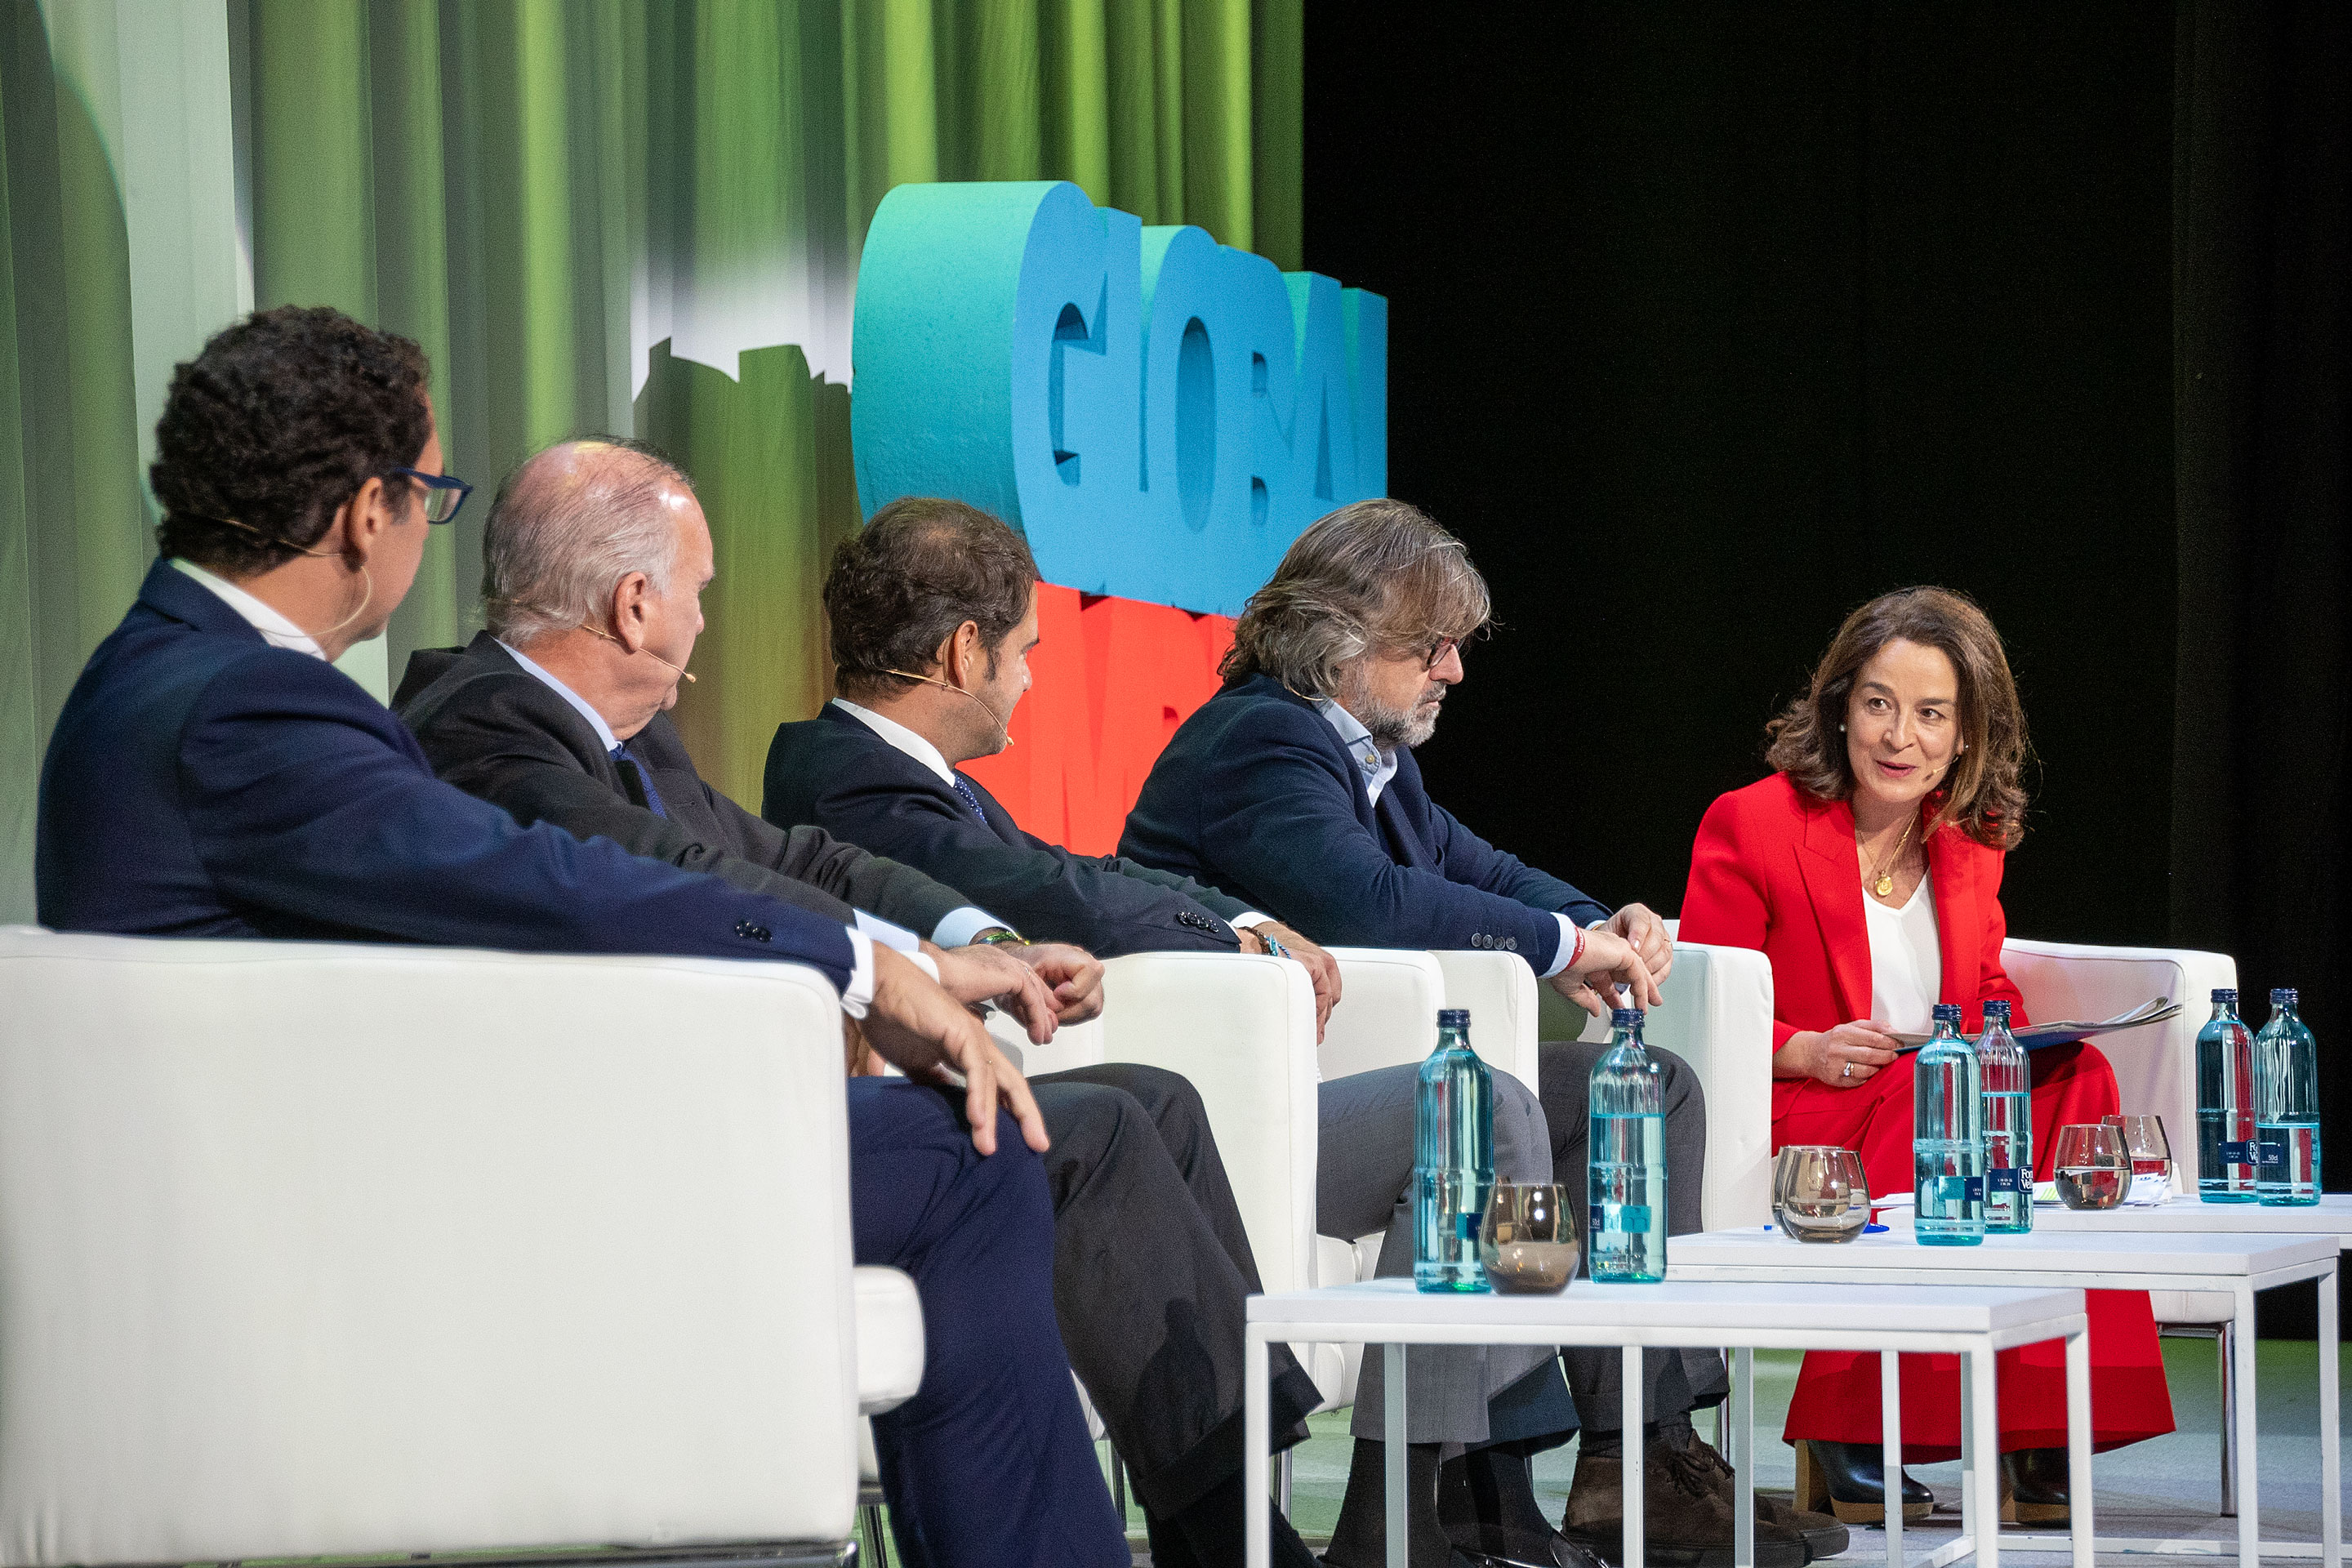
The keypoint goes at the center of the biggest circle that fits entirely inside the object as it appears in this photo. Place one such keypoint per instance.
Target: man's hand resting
(1322, 969)
(1640, 926)
(929, 1035)
(1608, 963)
(982, 973)
(1074, 975)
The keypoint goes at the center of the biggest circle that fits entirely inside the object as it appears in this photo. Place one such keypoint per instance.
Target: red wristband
(1578, 952)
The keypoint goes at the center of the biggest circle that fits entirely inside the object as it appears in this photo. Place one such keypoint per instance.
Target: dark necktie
(642, 777)
(970, 799)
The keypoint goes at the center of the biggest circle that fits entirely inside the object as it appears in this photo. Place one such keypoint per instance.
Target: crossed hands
(1632, 953)
(1322, 969)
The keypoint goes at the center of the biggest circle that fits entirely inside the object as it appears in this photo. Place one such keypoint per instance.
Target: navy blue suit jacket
(1256, 794)
(833, 772)
(203, 783)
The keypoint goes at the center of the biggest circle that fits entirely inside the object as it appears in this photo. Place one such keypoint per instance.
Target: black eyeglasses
(1434, 654)
(443, 494)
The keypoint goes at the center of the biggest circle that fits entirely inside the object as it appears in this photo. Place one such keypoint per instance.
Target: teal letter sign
(1161, 415)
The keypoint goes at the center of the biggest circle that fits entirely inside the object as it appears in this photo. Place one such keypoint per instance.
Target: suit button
(1479, 939)
(1510, 944)
(751, 933)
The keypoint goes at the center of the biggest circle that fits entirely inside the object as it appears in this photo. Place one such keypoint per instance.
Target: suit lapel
(1831, 867)
(1957, 930)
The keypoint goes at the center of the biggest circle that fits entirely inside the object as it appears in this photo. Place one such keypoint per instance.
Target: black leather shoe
(2033, 1487)
(1499, 1546)
(1850, 1479)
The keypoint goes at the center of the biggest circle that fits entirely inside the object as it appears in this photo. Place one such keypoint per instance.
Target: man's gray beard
(1390, 727)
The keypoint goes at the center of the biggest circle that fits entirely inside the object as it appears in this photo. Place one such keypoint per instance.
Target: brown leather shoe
(1823, 1536)
(1685, 1514)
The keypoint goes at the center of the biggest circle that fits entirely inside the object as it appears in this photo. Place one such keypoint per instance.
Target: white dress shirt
(1379, 766)
(904, 740)
(274, 627)
(1907, 962)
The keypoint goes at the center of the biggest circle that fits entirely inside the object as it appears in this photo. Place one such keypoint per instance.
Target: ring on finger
(1846, 1071)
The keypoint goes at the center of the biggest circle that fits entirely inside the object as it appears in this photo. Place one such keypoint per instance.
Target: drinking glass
(2094, 1168)
(1527, 1242)
(2144, 1141)
(1818, 1193)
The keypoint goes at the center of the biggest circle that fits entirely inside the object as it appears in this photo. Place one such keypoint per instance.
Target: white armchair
(311, 1248)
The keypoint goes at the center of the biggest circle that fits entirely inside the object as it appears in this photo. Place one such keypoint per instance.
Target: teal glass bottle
(2008, 1124)
(2225, 1105)
(1454, 1160)
(2286, 1106)
(1947, 1148)
(1625, 1182)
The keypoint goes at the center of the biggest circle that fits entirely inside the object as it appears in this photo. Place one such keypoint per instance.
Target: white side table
(2097, 1259)
(2331, 1215)
(1971, 1320)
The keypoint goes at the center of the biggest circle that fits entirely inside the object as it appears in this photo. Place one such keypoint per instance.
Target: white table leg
(1256, 1441)
(2078, 1442)
(1392, 1433)
(1739, 1419)
(2250, 1508)
(1890, 1440)
(1636, 1452)
(1987, 1444)
(1970, 1524)
(2331, 1459)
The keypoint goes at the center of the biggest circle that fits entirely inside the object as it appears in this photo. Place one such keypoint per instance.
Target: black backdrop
(1709, 322)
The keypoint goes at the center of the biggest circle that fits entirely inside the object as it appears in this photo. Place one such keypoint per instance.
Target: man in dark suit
(213, 775)
(1295, 787)
(932, 610)
(596, 557)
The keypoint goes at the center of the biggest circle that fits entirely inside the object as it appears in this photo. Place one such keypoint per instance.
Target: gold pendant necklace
(1884, 880)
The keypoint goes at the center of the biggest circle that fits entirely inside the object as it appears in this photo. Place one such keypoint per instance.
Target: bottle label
(1633, 1219)
(2270, 1156)
(2238, 1153)
(2007, 1179)
(1972, 1190)
(1953, 1189)
(1467, 1224)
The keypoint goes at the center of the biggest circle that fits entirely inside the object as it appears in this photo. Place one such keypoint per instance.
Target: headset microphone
(960, 692)
(646, 651)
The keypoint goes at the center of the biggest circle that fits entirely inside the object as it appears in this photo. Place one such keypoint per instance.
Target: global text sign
(1161, 415)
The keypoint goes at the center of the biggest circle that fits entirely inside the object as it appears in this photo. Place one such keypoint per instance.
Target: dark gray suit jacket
(494, 730)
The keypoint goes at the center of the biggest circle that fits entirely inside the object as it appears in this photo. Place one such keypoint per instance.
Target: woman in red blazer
(1868, 869)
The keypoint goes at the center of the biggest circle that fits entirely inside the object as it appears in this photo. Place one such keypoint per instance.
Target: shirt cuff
(1252, 918)
(958, 927)
(860, 992)
(1567, 946)
(924, 962)
(896, 937)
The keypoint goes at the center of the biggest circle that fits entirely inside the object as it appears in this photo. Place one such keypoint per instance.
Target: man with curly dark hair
(213, 775)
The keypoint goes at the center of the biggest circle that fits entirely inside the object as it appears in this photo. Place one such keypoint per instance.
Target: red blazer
(1775, 870)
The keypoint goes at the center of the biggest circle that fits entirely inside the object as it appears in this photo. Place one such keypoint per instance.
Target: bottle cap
(1624, 1018)
(2227, 993)
(2282, 997)
(1454, 1017)
(1997, 1009)
(1948, 1013)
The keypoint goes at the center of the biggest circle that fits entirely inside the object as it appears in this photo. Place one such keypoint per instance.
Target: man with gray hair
(1295, 787)
(595, 559)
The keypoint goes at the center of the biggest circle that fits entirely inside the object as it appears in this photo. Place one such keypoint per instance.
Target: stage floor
(2167, 1489)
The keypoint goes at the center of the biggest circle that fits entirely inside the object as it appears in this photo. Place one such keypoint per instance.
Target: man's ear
(360, 522)
(958, 652)
(629, 596)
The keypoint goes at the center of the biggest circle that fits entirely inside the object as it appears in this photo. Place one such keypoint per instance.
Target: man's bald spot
(588, 475)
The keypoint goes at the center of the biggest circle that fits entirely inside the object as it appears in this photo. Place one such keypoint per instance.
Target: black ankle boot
(1851, 1478)
(1486, 1501)
(2033, 1487)
(1360, 1538)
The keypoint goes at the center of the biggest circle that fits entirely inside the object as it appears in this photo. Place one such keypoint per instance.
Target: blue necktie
(970, 799)
(629, 768)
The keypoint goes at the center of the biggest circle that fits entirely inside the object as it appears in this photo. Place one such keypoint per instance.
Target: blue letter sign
(1159, 413)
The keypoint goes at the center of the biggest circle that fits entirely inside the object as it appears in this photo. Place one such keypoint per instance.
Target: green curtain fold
(627, 216)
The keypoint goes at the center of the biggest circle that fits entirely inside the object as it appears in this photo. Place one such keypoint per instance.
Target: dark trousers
(1150, 1270)
(1675, 1381)
(989, 1465)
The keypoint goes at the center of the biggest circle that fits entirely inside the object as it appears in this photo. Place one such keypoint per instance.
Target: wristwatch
(1003, 937)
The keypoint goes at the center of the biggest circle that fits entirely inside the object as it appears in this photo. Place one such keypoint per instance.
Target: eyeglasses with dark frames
(1434, 654)
(443, 493)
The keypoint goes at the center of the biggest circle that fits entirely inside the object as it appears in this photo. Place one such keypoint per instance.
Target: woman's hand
(1608, 962)
(1844, 1057)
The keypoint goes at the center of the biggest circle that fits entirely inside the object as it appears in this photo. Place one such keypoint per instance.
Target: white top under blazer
(1907, 962)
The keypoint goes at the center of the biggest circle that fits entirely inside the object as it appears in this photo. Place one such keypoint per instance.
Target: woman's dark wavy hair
(901, 586)
(275, 425)
(1983, 796)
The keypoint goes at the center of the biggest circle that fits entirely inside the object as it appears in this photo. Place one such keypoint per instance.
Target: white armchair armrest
(311, 1248)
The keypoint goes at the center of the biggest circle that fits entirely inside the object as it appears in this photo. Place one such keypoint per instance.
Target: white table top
(2185, 1253)
(1681, 1304)
(2332, 1215)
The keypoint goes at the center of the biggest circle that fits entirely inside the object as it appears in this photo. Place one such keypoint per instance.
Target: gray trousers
(1471, 1395)
(1677, 1380)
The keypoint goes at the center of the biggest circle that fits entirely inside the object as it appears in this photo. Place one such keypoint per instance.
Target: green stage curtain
(628, 215)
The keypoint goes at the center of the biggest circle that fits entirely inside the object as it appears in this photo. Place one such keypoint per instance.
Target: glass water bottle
(2225, 1105)
(1454, 1160)
(2286, 1106)
(2008, 1124)
(1947, 1148)
(1625, 1189)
